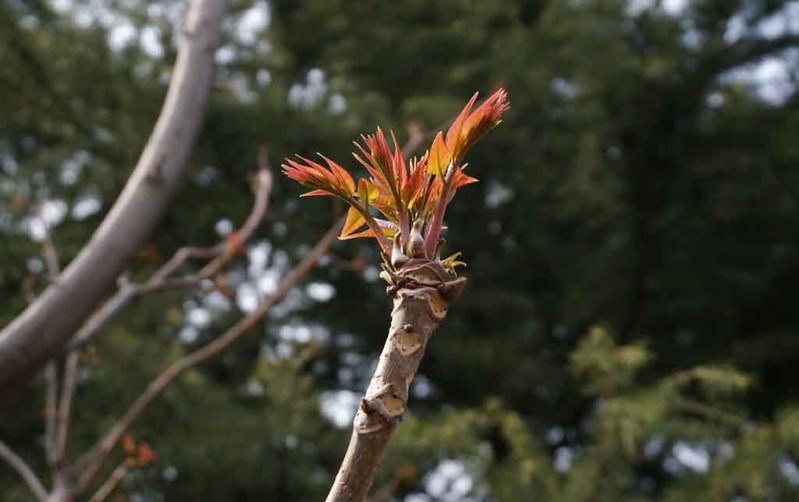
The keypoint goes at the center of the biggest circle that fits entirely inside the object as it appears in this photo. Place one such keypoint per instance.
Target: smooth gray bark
(46, 325)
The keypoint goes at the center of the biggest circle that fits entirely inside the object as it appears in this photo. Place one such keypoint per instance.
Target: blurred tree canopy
(629, 330)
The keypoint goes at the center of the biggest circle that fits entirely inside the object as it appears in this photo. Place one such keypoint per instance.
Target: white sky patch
(790, 471)
(150, 41)
(770, 79)
(449, 481)
(674, 7)
(189, 334)
(417, 497)
(254, 21)
(310, 94)
(554, 435)
(564, 457)
(223, 227)
(216, 302)
(85, 207)
(225, 55)
(337, 104)
(781, 23)
(263, 77)
(370, 274)
(497, 194)
(247, 297)
(53, 211)
(268, 281)
(73, 166)
(784, 22)
(671, 7)
(693, 457)
(339, 407)
(320, 291)
(9, 163)
(299, 332)
(258, 256)
(61, 6)
(564, 88)
(199, 317)
(170, 473)
(422, 387)
(121, 36)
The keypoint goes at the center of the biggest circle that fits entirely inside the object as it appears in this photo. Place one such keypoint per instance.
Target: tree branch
(223, 252)
(105, 445)
(421, 300)
(24, 470)
(45, 326)
(113, 480)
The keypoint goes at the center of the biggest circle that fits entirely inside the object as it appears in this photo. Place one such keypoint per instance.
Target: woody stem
(417, 313)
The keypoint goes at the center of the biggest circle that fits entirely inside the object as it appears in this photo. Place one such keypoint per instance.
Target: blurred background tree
(629, 331)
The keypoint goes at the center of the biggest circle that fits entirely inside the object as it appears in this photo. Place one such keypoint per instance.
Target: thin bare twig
(65, 408)
(105, 445)
(162, 279)
(57, 428)
(51, 385)
(110, 483)
(50, 410)
(24, 470)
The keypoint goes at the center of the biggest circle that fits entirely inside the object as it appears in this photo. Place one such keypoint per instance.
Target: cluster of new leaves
(410, 196)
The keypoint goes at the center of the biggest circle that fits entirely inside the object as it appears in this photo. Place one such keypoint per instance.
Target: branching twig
(105, 445)
(24, 470)
(162, 279)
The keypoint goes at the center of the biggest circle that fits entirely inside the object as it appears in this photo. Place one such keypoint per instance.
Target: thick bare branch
(24, 470)
(162, 278)
(105, 445)
(44, 327)
(421, 300)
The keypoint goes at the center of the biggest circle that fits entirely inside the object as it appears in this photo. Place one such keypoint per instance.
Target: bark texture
(42, 329)
(421, 300)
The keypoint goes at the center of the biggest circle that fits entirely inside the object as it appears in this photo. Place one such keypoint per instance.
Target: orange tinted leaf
(316, 193)
(483, 119)
(439, 157)
(354, 222)
(462, 179)
(455, 130)
(412, 189)
(366, 233)
(340, 173)
(367, 191)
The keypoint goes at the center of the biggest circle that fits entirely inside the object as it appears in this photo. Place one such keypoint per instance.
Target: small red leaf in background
(128, 444)
(145, 454)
